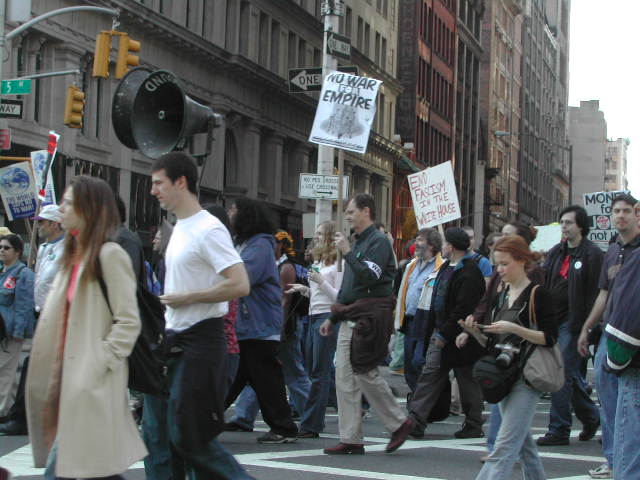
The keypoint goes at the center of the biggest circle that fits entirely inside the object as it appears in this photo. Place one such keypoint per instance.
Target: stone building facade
(615, 165)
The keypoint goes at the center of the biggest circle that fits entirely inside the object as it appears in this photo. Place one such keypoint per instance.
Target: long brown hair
(517, 247)
(325, 251)
(94, 202)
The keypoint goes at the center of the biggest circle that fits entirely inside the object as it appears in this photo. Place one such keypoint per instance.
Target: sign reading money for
(434, 195)
(598, 207)
(345, 112)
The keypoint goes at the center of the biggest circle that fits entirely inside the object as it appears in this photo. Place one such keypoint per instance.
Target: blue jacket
(260, 312)
(17, 305)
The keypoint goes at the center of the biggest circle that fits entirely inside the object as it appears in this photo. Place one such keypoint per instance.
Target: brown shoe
(400, 435)
(345, 449)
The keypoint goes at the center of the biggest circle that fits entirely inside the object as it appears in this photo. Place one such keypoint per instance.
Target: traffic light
(125, 58)
(74, 107)
(102, 54)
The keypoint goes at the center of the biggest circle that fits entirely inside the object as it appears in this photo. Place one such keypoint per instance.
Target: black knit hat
(458, 238)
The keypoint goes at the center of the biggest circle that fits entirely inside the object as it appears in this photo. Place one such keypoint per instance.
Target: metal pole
(339, 220)
(50, 74)
(3, 6)
(325, 153)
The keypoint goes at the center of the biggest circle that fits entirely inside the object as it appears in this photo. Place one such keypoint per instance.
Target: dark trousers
(434, 378)
(18, 411)
(260, 368)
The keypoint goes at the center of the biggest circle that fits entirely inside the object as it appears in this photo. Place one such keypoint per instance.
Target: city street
(439, 456)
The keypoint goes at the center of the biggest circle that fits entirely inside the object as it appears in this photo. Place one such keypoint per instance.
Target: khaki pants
(9, 360)
(350, 387)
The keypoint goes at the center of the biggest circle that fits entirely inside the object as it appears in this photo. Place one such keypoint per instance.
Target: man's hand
(342, 243)
(175, 300)
(583, 344)
(461, 340)
(326, 328)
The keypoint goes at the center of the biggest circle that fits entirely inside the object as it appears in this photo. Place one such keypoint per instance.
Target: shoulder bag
(543, 366)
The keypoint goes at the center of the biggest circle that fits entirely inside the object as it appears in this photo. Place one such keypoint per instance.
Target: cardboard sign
(345, 112)
(39, 163)
(434, 195)
(17, 187)
(548, 236)
(598, 207)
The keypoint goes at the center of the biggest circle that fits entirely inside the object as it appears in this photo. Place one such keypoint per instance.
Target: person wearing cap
(458, 288)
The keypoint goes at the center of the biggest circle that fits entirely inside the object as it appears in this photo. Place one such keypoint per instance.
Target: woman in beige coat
(79, 421)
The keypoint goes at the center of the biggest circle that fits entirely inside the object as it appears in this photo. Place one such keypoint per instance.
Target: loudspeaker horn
(152, 113)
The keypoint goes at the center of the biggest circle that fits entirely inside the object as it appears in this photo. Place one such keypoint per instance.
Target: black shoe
(345, 449)
(588, 432)
(303, 434)
(13, 428)
(469, 432)
(552, 440)
(236, 427)
(273, 437)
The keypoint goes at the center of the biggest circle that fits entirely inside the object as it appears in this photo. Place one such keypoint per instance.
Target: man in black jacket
(572, 272)
(458, 288)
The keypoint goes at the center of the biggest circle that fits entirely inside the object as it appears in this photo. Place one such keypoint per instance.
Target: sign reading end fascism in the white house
(598, 207)
(345, 112)
(434, 195)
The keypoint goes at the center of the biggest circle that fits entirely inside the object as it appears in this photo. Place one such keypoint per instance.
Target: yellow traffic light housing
(102, 54)
(125, 58)
(74, 107)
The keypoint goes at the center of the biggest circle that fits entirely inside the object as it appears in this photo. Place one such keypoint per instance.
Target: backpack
(495, 382)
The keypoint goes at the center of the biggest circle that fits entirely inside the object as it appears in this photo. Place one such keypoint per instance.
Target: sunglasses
(5, 247)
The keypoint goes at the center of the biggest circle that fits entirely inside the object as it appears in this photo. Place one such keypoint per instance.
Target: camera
(507, 353)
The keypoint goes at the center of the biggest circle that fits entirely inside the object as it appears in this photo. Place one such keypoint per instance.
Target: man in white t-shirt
(203, 272)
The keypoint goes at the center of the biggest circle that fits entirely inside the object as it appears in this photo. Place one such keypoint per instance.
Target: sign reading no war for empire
(434, 195)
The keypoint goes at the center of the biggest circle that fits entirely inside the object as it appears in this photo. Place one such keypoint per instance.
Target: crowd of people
(248, 325)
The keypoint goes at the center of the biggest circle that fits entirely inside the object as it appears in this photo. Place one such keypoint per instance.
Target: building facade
(615, 165)
(232, 55)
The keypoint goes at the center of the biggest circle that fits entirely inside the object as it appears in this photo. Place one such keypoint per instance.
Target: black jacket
(582, 284)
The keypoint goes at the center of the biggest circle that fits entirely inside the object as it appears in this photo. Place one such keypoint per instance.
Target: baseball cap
(50, 212)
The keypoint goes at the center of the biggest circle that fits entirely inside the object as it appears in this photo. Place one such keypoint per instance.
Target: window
(302, 53)
(367, 40)
(263, 32)
(347, 23)
(383, 54)
(377, 49)
(275, 47)
(360, 39)
(292, 52)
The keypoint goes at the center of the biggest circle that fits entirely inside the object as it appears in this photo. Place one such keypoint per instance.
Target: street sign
(322, 186)
(11, 108)
(338, 46)
(310, 79)
(16, 87)
(5, 139)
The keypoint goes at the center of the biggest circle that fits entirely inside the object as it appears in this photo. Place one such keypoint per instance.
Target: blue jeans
(414, 354)
(607, 388)
(626, 459)
(50, 470)
(514, 440)
(319, 360)
(573, 392)
(495, 420)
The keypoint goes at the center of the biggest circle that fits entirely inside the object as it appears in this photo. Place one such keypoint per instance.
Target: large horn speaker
(151, 112)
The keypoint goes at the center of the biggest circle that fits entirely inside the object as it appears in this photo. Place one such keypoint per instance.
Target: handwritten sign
(39, 163)
(17, 187)
(434, 195)
(598, 207)
(548, 236)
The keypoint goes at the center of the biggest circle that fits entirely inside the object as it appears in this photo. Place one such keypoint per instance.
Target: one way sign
(310, 79)
(11, 108)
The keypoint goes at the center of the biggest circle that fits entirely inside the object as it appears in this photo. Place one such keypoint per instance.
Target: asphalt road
(438, 456)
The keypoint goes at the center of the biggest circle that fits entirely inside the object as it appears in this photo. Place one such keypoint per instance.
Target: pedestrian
(366, 297)
(50, 252)
(324, 283)
(260, 322)
(80, 425)
(483, 262)
(627, 240)
(160, 243)
(572, 272)
(16, 313)
(512, 310)
(203, 272)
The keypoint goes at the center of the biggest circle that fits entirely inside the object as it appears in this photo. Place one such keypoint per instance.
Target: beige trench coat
(81, 400)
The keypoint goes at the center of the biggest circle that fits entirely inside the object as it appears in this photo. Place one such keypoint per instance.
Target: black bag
(147, 372)
(495, 382)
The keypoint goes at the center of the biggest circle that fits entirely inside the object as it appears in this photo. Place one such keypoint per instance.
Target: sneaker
(603, 471)
(345, 449)
(484, 458)
(303, 434)
(400, 435)
(6, 474)
(236, 427)
(273, 437)
(552, 440)
(588, 432)
(469, 432)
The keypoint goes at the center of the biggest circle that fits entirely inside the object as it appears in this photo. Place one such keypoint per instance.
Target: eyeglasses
(567, 222)
(5, 247)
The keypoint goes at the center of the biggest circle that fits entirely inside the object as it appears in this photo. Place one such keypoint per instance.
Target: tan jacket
(81, 400)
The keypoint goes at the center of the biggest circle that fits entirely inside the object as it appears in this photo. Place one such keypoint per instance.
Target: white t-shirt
(324, 295)
(199, 249)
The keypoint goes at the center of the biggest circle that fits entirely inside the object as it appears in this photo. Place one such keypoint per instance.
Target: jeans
(626, 459)
(495, 420)
(414, 353)
(319, 360)
(397, 356)
(607, 388)
(50, 470)
(573, 392)
(514, 440)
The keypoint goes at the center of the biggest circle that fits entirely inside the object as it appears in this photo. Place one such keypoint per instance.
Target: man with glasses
(572, 271)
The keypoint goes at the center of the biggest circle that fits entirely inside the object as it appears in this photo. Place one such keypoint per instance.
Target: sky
(603, 66)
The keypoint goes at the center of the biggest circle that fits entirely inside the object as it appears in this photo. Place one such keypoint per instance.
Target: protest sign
(546, 238)
(434, 195)
(345, 112)
(17, 187)
(598, 207)
(39, 163)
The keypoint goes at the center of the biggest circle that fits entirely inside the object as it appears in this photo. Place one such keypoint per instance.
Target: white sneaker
(603, 471)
